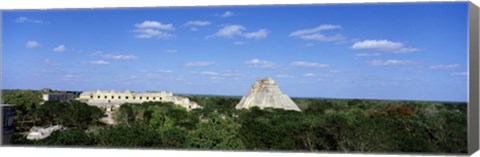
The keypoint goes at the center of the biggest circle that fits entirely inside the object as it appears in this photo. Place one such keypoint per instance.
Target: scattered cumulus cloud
(444, 66)
(32, 44)
(28, 20)
(197, 23)
(225, 14)
(317, 34)
(262, 33)
(367, 54)
(208, 73)
(199, 64)
(383, 45)
(100, 62)
(114, 56)
(152, 33)
(314, 30)
(390, 62)
(59, 48)
(308, 64)
(154, 25)
(153, 29)
(230, 31)
(407, 50)
(322, 37)
(194, 24)
(260, 63)
(119, 57)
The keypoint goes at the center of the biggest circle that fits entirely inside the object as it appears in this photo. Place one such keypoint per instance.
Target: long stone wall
(109, 99)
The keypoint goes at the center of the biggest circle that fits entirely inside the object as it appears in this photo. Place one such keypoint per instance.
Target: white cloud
(407, 50)
(197, 23)
(100, 62)
(119, 57)
(460, 73)
(308, 64)
(322, 37)
(199, 64)
(260, 63)
(226, 14)
(230, 31)
(262, 33)
(28, 20)
(367, 54)
(209, 73)
(114, 56)
(32, 44)
(154, 25)
(153, 29)
(60, 48)
(444, 66)
(284, 76)
(152, 33)
(314, 30)
(310, 75)
(377, 44)
(383, 45)
(194, 24)
(316, 33)
(390, 62)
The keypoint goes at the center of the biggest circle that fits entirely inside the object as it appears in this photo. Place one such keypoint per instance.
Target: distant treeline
(352, 125)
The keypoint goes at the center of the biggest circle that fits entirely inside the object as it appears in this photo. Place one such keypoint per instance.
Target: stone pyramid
(265, 93)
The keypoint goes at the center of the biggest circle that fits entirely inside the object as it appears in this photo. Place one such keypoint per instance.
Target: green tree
(69, 137)
(69, 114)
(25, 101)
(128, 136)
(216, 132)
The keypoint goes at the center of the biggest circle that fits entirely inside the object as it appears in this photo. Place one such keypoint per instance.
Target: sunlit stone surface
(265, 93)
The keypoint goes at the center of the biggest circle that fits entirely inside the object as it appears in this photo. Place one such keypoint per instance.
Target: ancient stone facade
(109, 99)
(265, 93)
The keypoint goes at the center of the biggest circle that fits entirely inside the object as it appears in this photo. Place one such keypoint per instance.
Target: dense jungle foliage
(341, 125)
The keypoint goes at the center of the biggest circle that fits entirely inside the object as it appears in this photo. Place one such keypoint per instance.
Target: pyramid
(265, 93)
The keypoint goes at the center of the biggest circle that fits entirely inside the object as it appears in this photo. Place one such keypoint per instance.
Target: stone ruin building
(57, 96)
(113, 99)
(265, 93)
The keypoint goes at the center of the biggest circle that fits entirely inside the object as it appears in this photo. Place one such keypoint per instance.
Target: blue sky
(380, 51)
